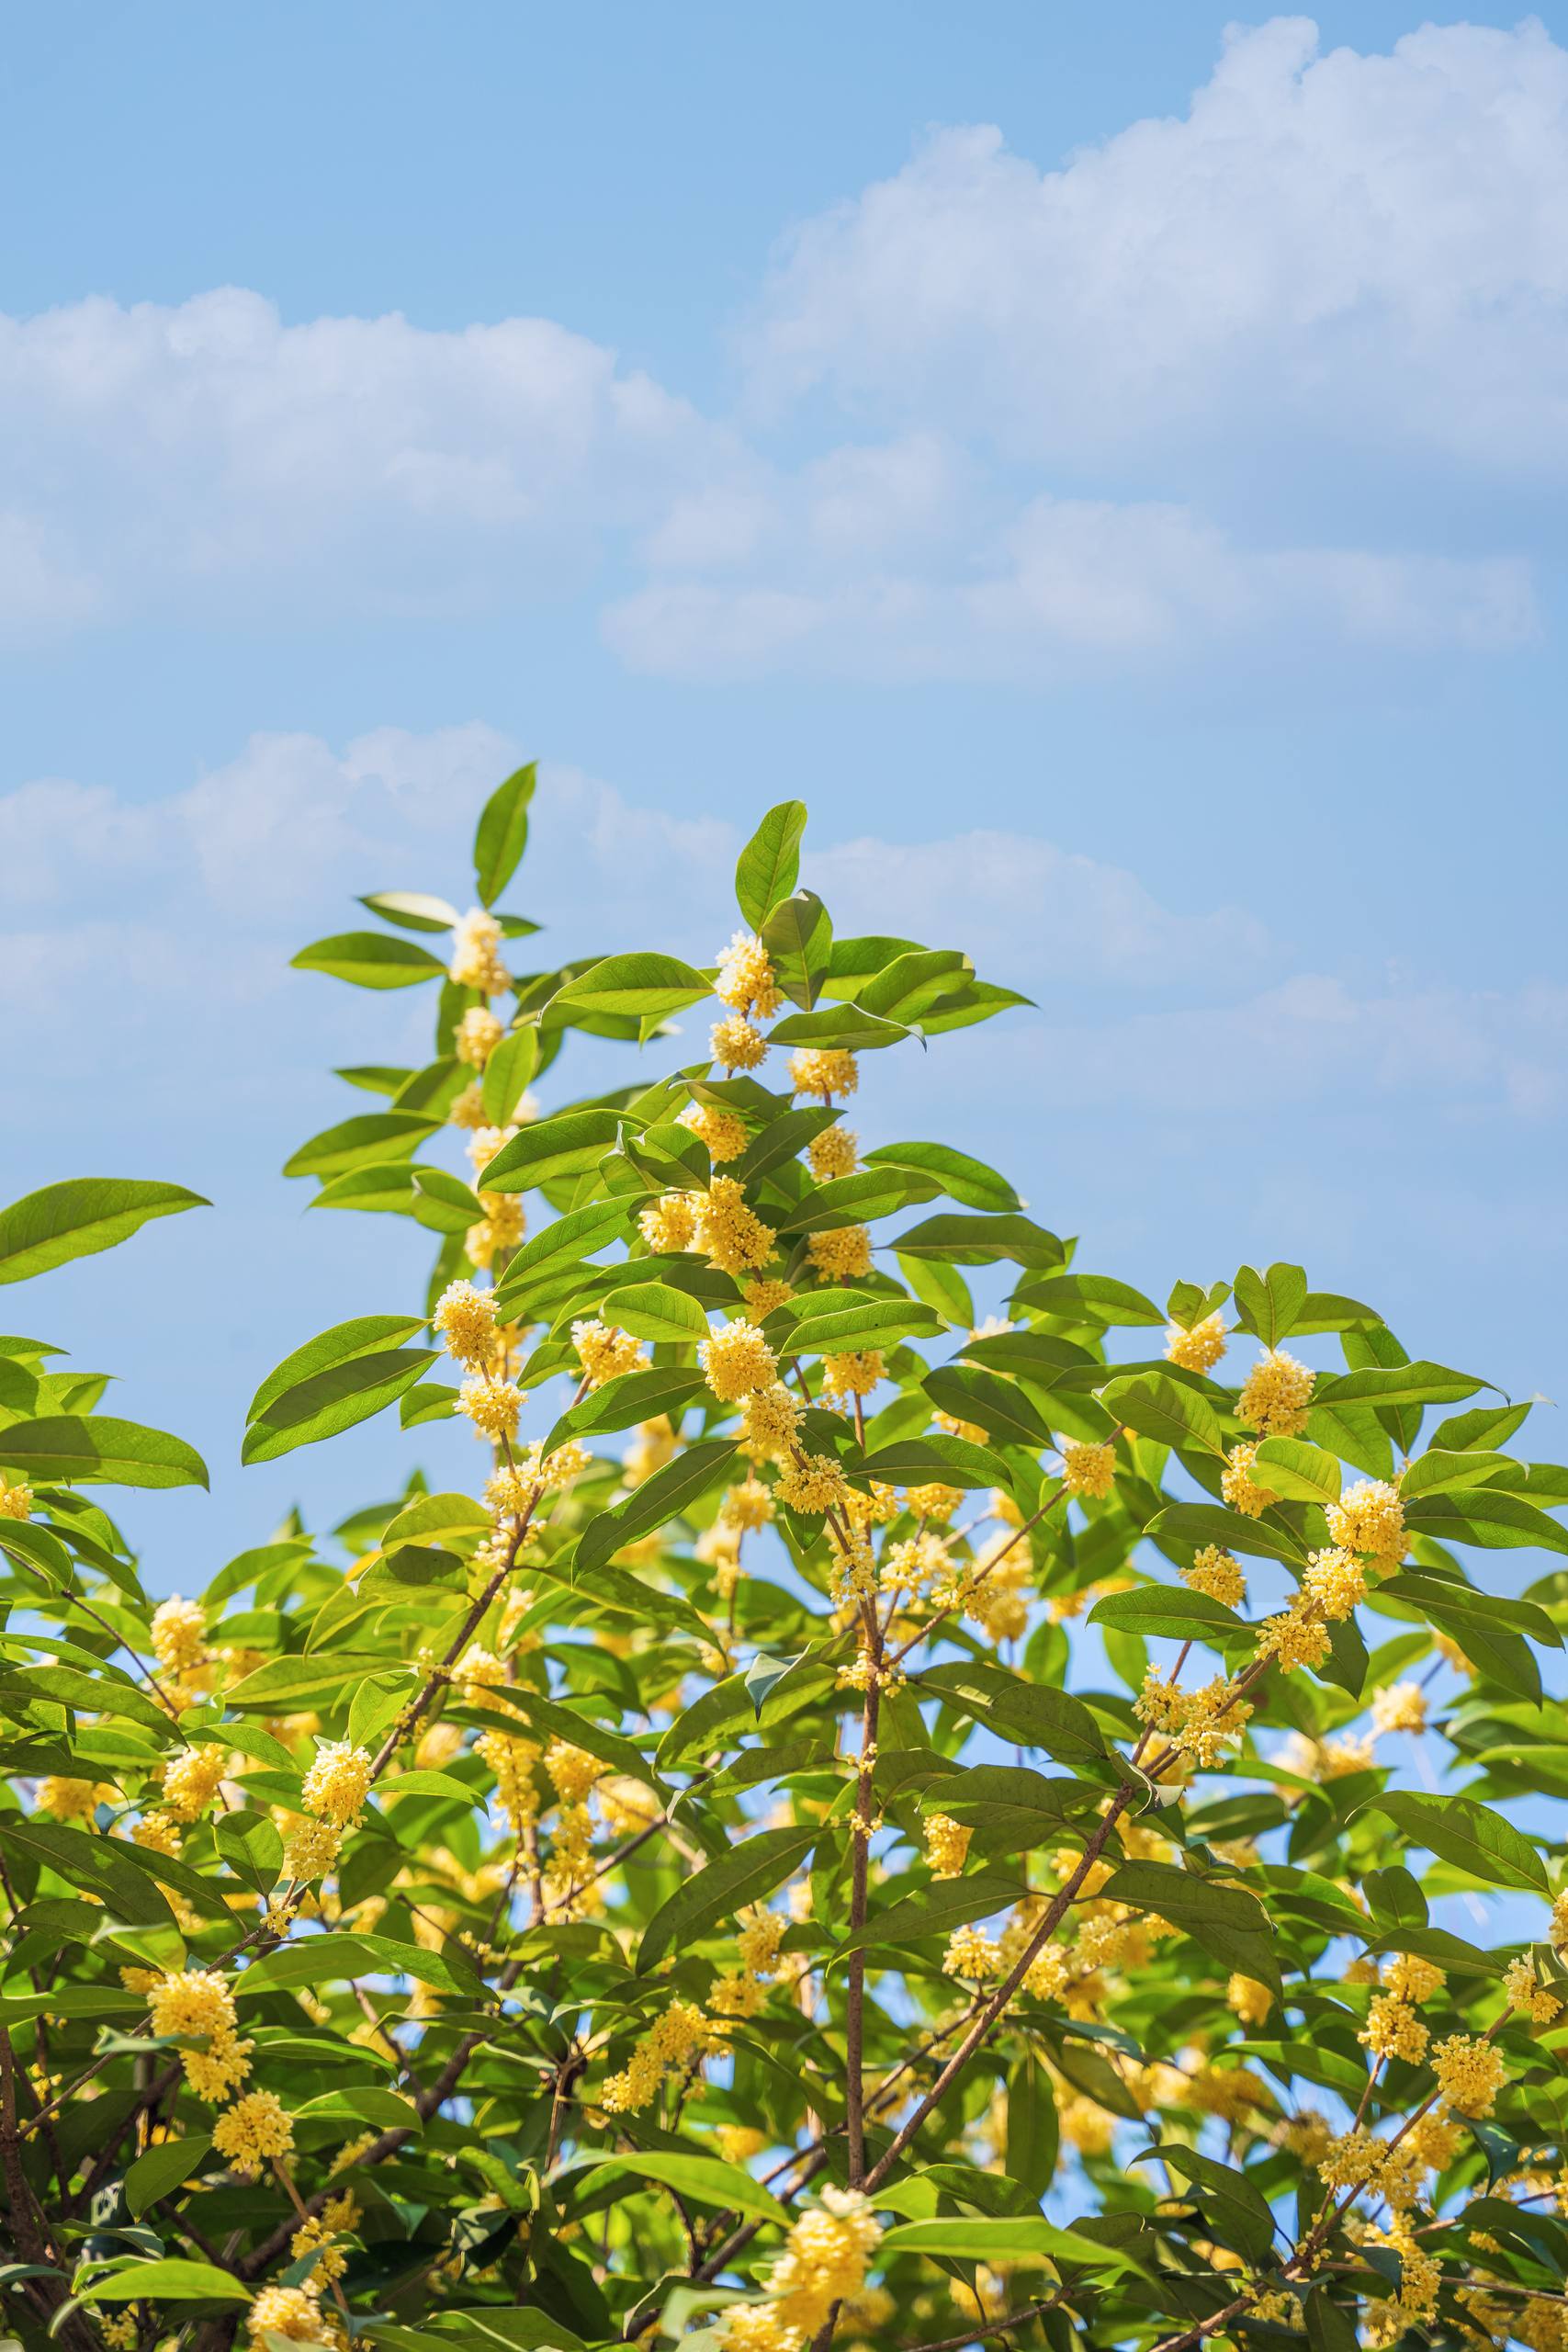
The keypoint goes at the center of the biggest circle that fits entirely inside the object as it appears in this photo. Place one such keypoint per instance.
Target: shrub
(859, 1816)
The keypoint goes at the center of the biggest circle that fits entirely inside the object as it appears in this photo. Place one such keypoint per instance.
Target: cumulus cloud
(1251, 380)
(209, 449)
(1323, 244)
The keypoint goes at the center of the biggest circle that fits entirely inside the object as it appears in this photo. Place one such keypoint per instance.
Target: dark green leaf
(748, 1873)
(1469, 1836)
(502, 834)
(961, 1177)
(97, 1449)
(798, 937)
(649, 1506)
(1163, 1409)
(568, 1144)
(769, 862)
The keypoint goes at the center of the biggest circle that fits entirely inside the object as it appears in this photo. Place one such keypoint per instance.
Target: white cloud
(1071, 586)
(1325, 246)
(209, 449)
(1234, 385)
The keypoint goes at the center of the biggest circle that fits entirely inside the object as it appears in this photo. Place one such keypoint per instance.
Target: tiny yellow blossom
(1401, 1706)
(476, 954)
(465, 1317)
(1089, 1471)
(729, 1234)
(15, 1502)
(494, 1407)
(605, 1352)
(337, 1783)
(745, 978)
(735, 1044)
(1275, 1394)
(825, 1070)
(737, 1360)
(1197, 1347)
(1240, 1489)
(1469, 2074)
(253, 2130)
(724, 1132)
(841, 1254)
(834, 1152)
(1217, 1573)
(947, 1843)
(477, 1036)
(1369, 1518)
(179, 1634)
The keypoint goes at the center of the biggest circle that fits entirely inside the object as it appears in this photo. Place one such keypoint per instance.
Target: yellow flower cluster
(814, 1484)
(734, 1044)
(1369, 1518)
(1197, 1347)
(1469, 2074)
(1217, 1573)
(513, 1762)
(736, 1360)
(738, 2142)
(823, 2260)
(947, 1843)
(1248, 2000)
(746, 979)
(316, 2235)
(742, 1993)
(337, 1783)
(68, 1800)
(15, 1502)
(192, 1779)
(195, 2005)
(476, 955)
(853, 1375)
(747, 1506)
(682, 2037)
(180, 1634)
(1089, 1471)
(311, 1849)
(1274, 1396)
(826, 1071)
(477, 1036)
(1393, 2030)
(494, 1407)
(253, 2130)
(293, 2312)
(932, 1501)
(465, 1317)
(1198, 1723)
(763, 1294)
(605, 1352)
(670, 1224)
(841, 1254)
(730, 1234)
(1526, 1991)
(1400, 1706)
(834, 1152)
(769, 1420)
(1237, 1484)
(724, 1132)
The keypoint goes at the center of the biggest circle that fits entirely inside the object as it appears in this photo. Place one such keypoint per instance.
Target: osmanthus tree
(863, 1815)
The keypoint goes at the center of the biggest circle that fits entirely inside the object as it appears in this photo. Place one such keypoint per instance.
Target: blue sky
(1112, 470)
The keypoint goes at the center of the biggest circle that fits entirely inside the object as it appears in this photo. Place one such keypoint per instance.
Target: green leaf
(843, 1026)
(552, 1721)
(1301, 1472)
(646, 987)
(706, 2180)
(654, 1311)
(630, 1397)
(374, 1137)
(746, 1873)
(1489, 1518)
(912, 985)
(1163, 1409)
(798, 937)
(998, 1407)
(924, 1461)
(502, 835)
(1169, 1612)
(1002, 2237)
(507, 1072)
(80, 1216)
(1439, 1469)
(935, 1910)
(162, 2170)
(1091, 1298)
(1235, 2205)
(769, 862)
(172, 2281)
(647, 1507)
(1229, 1924)
(881, 1322)
(1469, 1836)
(411, 909)
(1395, 1384)
(99, 1449)
(961, 1177)
(1269, 1304)
(568, 1144)
(856, 1200)
(1028, 1714)
(1330, 2326)
(434, 1519)
(550, 1252)
(335, 1380)
(442, 1202)
(1200, 1524)
(370, 960)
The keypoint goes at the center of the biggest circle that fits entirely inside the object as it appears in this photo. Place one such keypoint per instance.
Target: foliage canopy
(869, 1816)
